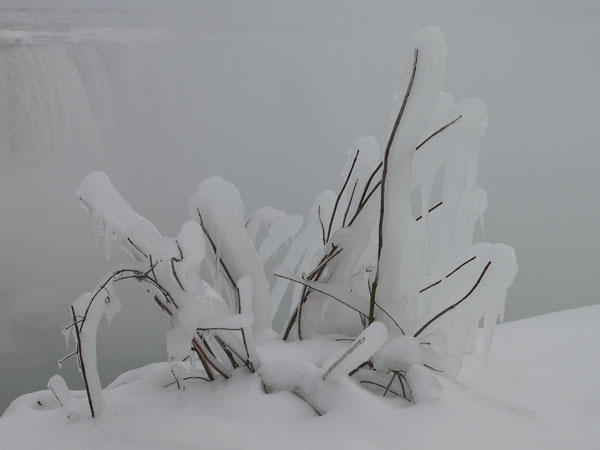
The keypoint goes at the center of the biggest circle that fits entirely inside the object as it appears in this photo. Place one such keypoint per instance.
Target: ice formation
(388, 262)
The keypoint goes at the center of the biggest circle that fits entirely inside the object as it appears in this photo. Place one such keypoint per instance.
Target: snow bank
(514, 404)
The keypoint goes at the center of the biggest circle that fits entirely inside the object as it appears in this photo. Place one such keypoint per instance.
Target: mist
(270, 96)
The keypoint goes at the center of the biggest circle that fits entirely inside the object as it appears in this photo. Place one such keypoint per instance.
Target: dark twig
(368, 183)
(82, 363)
(321, 222)
(339, 196)
(430, 286)
(64, 358)
(454, 305)
(173, 261)
(390, 316)
(460, 267)
(349, 203)
(230, 278)
(324, 262)
(185, 379)
(383, 182)
(448, 276)
(137, 248)
(433, 208)
(300, 396)
(363, 203)
(321, 291)
(379, 385)
(437, 132)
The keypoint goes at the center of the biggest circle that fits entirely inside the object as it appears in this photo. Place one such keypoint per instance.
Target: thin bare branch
(230, 278)
(349, 203)
(82, 363)
(379, 385)
(454, 305)
(434, 134)
(339, 196)
(173, 261)
(430, 286)
(433, 208)
(321, 222)
(321, 291)
(461, 266)
(324, 262)
(364, 203)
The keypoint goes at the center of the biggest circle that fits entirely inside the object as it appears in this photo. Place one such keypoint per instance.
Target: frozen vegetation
(390, 307)
(384, 289)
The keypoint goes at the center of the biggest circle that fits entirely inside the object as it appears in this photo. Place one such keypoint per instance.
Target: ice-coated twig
(386, 158)
(307, 284)
(438, 131)
(339, 196)
(433, 208)
(221, 262)
(82, 363)
(362, 204)
(303, 398)
(173, 261)
(447, 276)
(321, 223)
(454, 305)
(349, 203)
(353, 347)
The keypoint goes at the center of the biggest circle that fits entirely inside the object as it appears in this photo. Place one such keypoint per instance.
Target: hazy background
(270, 95)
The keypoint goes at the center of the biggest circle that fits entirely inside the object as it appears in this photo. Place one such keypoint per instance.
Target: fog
(270, 96)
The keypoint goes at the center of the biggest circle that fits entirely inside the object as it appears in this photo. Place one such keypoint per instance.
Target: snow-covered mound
(538, 391)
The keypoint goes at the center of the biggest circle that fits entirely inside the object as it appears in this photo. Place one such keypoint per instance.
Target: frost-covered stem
(337, 200)
(229, 352)
(200, 350)
(386, 158)
(454, 305)
(300, 396)
(360, 366)
(82, 363)
(205, 365)
(324, 262)
(390, 317)
(314, 276)
(221, 262)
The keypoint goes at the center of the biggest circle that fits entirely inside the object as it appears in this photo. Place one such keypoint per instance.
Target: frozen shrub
(407, 284)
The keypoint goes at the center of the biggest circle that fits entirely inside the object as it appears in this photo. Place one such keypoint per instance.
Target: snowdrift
(537, 392)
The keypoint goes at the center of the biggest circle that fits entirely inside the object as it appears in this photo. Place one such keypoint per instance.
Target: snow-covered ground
(538, 391)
